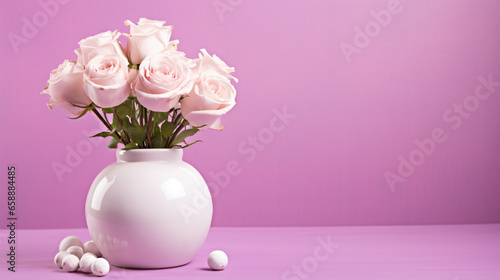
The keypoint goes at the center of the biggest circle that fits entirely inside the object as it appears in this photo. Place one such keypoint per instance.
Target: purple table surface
(443, 252)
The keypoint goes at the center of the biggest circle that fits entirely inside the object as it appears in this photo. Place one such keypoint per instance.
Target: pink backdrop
(391, 109)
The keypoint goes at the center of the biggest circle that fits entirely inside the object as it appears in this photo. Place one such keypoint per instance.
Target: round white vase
(150, 209)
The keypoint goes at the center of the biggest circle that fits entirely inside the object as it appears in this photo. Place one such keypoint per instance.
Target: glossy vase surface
(149, 209)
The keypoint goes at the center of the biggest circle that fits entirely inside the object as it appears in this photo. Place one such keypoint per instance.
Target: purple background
(352, 119)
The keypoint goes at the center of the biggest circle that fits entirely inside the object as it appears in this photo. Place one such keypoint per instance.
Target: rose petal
(107, 97)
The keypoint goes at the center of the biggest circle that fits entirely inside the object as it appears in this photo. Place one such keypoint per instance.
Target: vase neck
(140, 155)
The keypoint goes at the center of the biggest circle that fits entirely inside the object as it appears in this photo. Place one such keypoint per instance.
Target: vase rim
(152, 154)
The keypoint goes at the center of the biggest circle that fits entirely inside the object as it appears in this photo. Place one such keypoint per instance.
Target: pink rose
(205, 62)
(106, 80)
(65, 88)
(148, 37)
(100, 44)
(213, 94)
(162, 79)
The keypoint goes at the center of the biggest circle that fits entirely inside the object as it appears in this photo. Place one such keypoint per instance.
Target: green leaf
(126, 123)
(178, 120)
(159, 117)
(167, 128)
(137, 134)
(123, 109)
(116, 123)
(190, 144)
(135, 122)
(198, 127)
(158, 141)
(88, 108)
(184, 134)
(113, 143)
(107, 110)
(155, 130)
(131, 146)
(103, 134)
(123, 135)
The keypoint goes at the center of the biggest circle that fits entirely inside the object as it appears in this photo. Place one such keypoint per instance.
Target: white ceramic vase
(150, 209)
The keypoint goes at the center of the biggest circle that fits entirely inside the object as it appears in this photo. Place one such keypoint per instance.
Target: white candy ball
(217, 260)
(70, 241)
(100, 267)
(86, 254)
(59, 257)
(90, 247)
(70, 263)
(75, 250)
(86, 262)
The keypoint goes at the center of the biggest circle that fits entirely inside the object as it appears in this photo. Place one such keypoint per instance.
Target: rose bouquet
(148, 94)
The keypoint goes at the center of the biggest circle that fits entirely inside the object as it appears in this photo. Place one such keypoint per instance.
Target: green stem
(108, 126)
(148, 135)
(106, 117)
(176, 132)
(127, 139)
(106, 123)
(141, 111)
(174, 116)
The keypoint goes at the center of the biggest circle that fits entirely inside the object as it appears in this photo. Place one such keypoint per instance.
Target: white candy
(59, 257)
(100, 267)
(68, 242)
(90, 247)
(70, 263)
(86, 262)
(86, 254)
(75, 250)
(217, 260)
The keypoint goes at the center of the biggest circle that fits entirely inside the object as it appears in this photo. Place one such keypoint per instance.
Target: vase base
(149, 268)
